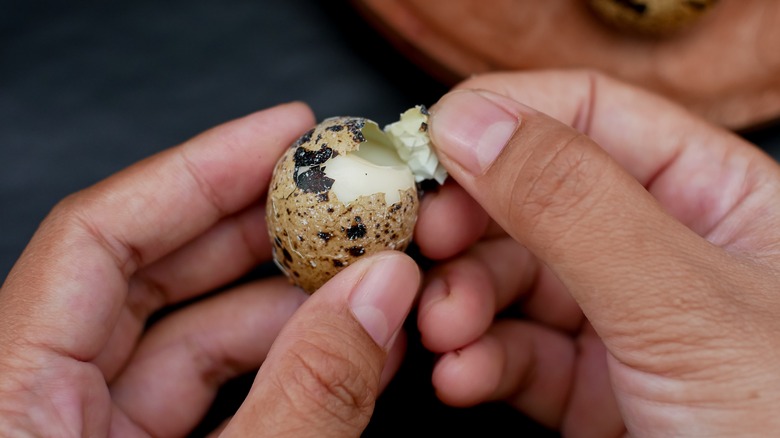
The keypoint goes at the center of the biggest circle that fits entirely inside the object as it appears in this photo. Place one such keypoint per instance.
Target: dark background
(87, 88)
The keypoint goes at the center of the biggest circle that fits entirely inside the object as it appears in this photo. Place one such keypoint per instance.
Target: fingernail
(471, 128)
(383, 297)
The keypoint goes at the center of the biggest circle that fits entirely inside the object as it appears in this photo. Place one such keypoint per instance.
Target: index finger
(70, 283)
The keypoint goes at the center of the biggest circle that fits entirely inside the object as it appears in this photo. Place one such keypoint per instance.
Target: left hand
(76, 360)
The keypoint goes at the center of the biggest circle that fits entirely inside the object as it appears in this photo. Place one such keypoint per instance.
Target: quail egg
(345, 189)
(651, 17)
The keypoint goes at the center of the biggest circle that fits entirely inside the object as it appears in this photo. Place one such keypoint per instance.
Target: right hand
(639, 242)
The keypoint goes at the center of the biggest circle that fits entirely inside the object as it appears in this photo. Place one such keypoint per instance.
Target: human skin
(638, 243)
(77, 360)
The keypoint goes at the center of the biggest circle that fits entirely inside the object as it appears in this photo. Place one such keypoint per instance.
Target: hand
(76, 360)
(638, 243)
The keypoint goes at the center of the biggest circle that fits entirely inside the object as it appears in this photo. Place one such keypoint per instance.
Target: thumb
(562, 196)
(322, 374)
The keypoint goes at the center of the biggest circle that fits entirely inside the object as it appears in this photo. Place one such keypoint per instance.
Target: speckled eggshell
(314, 234)
(651, 17)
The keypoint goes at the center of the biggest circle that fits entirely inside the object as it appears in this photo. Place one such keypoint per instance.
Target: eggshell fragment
(314, 233)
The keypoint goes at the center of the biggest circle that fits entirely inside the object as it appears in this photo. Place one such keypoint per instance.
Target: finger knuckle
(557, 184)
(205, 185)
(76, 220)
(324, 382)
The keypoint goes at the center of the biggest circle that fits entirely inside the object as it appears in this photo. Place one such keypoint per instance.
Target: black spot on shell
(423, 127)
(356, 251)
(305, 157)
(305, 138)
(395, 207)
(330, 210)
(338, 263)
(277, 242)
(324, 236)
(355, 128)
(287, 255)
(636, 6)
(335, 128)
(313, 180)
(323, 197)
(356, 231)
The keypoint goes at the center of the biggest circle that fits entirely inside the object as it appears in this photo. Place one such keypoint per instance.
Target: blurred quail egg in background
(651, 17)
(346, 189)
